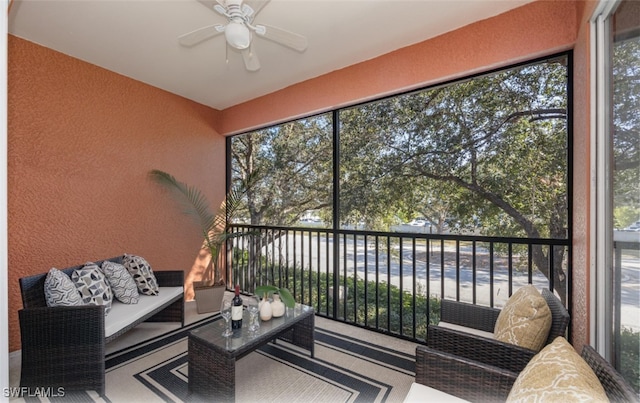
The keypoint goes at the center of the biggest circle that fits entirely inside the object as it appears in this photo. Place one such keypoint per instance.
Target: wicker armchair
(478, 382)
(617, 389)
(486, 350)
(458, 376)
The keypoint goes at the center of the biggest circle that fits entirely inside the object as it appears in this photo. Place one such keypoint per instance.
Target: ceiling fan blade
(283, 37)
(201, 34)
(250, 58)
(211, 3)
(256, 5)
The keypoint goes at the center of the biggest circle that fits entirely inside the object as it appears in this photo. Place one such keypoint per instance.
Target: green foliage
(365, 304)
(212, 226)
(450, 152)
(486, 155)
(626, 121)
(285, 294)
(456, 150)
(623, 216)
(630, 357)
(295, 158)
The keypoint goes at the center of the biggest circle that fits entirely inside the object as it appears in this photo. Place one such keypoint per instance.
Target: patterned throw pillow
(93, 286)
(142, 274)
(557, 374)
(121, 282)
(59, 290)
(525, 319)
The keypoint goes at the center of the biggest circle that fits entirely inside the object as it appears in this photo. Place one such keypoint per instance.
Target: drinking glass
(253, 309)
(225, 312)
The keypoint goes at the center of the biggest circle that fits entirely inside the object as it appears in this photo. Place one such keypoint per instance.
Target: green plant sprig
(284, 293)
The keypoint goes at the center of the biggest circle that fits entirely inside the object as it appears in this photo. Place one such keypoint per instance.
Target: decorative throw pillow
(142, 274)
(557, 374)
(93, 286)
(121, 282)
(59, 290)
(525, 319)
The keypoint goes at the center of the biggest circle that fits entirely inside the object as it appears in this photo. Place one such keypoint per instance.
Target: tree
(295, 164)
(626, 123)
(497, 143)
(488, 151)
(296, 172)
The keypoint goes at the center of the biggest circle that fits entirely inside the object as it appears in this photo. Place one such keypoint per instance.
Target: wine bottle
(236, 310)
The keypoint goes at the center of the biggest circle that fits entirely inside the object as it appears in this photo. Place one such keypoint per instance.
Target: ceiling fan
(239, 30)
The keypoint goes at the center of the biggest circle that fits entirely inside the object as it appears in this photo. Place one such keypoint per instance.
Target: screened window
(486, 156)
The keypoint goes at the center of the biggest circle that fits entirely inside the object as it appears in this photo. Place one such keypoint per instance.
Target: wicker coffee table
(212, 358)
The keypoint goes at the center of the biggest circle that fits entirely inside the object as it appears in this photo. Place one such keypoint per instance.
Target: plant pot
(208, 296)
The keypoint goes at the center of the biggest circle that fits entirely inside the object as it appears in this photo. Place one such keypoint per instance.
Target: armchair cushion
(419, 393)
(525, 319)
(466, 329)
(557, 374)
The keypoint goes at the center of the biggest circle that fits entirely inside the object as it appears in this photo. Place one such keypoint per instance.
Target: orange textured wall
(81, 140)
(580, 324)
(539, 28)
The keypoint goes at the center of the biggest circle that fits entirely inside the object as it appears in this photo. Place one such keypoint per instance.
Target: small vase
(277, 306)
(265, 310)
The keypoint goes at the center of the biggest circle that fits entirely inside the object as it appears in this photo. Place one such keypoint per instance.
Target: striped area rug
(350, 365)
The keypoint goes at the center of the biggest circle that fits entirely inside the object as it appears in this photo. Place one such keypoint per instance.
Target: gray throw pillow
(142, 274)
(121, 282)
(59, 290)
(93, 286)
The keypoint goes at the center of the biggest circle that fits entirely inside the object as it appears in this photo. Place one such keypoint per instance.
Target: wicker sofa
(65, 346)
(458, 377)
(452, 334)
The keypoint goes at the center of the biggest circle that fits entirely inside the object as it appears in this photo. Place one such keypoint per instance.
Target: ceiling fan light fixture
(239, 30)
(238, 35)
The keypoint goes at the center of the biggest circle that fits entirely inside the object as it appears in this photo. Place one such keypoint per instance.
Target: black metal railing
(626, 259)
(392, 282)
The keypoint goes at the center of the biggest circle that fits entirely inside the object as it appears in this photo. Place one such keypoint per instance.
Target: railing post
(336, 210)
(617, 281)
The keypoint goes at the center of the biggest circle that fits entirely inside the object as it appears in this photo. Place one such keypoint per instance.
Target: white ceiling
(138, 38)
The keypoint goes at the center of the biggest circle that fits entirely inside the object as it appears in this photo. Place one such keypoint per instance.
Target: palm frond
(193, 202)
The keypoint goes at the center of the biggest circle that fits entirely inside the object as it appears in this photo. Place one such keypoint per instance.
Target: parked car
(419, 222)
(633, 227)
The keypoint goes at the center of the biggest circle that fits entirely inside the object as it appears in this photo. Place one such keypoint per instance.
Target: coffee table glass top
(212, 333)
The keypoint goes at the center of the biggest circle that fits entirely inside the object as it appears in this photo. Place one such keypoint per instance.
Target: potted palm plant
(213, 227)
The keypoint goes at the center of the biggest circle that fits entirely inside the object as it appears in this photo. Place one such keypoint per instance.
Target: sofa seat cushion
(466, 329)
(525, 319)
(122, 315)
(557, 374)
(419, 393)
